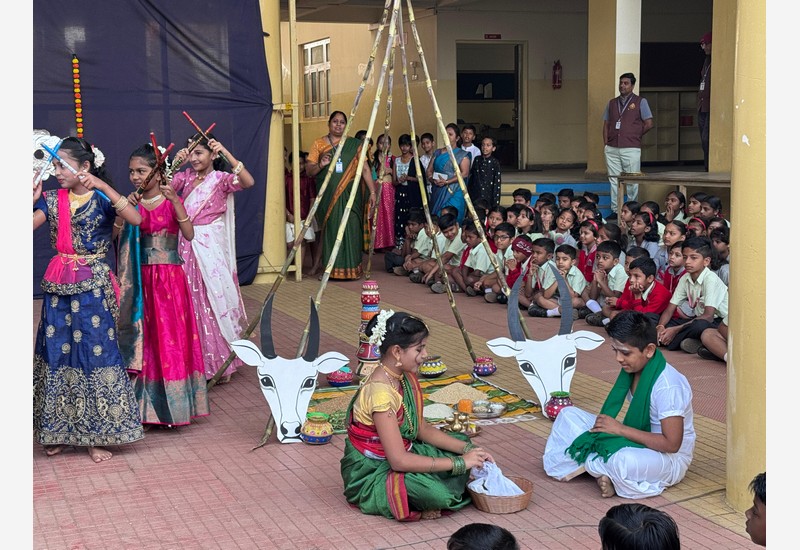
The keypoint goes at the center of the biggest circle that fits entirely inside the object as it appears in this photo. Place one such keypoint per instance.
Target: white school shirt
(708, 290)
(456, 247)
(479, 260)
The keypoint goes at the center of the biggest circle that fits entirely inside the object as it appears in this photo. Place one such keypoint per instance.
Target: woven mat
(518, 409)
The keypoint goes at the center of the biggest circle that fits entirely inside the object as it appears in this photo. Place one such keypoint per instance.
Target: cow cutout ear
(586, 340)
(503, 347)
(330, 361)
(248, 352)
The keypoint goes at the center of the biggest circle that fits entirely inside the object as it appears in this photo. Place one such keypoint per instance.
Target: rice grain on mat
(332, 405)
(453, 393)
(437, 410)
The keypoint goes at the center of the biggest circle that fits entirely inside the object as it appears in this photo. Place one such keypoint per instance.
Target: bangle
(186, 219)
(468, 447)
(121, 204)
(433, 464)
(239, 168)
(119, 226)
(459, 466)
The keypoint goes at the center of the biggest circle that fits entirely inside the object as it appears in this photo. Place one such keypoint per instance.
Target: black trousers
(691, 329)
(392, 260)
(702, 123)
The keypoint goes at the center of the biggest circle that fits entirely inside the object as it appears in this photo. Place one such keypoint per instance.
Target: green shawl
(638, 415)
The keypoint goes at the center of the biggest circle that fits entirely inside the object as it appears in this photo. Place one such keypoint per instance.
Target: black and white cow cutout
(287, 384)
(547, 365)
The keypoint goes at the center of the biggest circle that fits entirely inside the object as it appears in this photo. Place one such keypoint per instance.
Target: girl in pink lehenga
(158, 333)
(210, 258)
(383, 162)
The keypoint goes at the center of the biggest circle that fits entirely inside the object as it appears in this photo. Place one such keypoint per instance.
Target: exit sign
(492, 36)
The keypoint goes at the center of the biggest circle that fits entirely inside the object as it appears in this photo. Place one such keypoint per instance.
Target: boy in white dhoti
(651, 449)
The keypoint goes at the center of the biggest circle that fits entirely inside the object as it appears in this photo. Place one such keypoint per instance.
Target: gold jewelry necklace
(76, 201)
(151, 201)
(388, 371)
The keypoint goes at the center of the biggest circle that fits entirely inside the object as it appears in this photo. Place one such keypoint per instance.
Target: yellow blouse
(375, 397)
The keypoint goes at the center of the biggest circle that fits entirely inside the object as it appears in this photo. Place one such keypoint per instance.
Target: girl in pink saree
(210, 258)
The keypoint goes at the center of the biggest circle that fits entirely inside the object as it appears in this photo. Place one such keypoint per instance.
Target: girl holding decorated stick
(82, 395)
(158, 331)
(395, 464)
(207, 189)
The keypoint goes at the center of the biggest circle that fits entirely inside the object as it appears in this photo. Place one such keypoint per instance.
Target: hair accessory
(379, 331)
(701, 222)
(524, 246)
(76, 89)
(99, 157)
(594, 224)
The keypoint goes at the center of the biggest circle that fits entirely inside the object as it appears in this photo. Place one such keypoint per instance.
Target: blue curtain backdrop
(142, 63)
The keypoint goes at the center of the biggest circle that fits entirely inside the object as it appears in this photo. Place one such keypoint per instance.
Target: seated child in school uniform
(451, 256)
(424, 250)
(540, 275)
(642, 292)
(488, 284)
(608, 282)
(547, 302)
(477, 263)
(394, 261)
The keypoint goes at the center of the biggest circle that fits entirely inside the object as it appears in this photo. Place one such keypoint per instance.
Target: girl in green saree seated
(395, 464)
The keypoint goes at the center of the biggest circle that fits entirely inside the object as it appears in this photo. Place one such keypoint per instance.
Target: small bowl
(484, 366)
(488, 409)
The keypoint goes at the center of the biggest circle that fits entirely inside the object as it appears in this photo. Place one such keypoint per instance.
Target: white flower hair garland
(99, 157)
(379, 331)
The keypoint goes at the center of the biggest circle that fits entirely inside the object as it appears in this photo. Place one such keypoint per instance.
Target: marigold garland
(76, 88)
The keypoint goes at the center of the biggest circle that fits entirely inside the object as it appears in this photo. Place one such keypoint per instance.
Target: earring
(398, 364)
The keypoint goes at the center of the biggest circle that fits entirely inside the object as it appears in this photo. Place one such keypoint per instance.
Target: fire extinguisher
(557, 75)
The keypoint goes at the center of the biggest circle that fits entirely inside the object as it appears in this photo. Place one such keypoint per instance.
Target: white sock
(594, 306)
(725, 357)
(487, 290)
(553, 312)
(606, 320)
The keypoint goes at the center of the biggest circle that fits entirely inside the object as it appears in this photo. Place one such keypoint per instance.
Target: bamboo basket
(504, 505)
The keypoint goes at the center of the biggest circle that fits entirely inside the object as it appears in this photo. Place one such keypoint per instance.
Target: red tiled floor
(203, 485)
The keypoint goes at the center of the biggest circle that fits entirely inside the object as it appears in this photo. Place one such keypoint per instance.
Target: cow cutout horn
(312, 348)
(514, 324)
(267, 347)
(565, 301)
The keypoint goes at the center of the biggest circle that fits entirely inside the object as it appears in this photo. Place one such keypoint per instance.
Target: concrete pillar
(746, 407)
(274, 255)
(614, 26)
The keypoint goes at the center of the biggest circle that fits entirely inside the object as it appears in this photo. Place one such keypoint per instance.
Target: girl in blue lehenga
(447, 191)
(82, 395)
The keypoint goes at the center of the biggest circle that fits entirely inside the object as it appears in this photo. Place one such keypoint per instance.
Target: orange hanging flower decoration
(76, 88)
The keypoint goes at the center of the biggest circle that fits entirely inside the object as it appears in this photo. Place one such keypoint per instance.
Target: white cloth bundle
(489, 480)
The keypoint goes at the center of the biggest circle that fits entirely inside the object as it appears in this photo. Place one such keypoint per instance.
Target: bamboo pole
(461, 184)
(299, 235)
(382, 172)
(294, 83)
(351, 198)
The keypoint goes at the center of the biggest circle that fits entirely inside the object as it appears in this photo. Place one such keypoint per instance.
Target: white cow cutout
(287, 384)
(547, 365)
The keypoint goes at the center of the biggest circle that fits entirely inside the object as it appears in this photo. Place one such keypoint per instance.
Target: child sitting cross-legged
(451, 255)
(607, 285)
(477, 263)
(423, 250)
(707, 296)
(541, 274)
(547, 304)
(488, 284)
(642, 292)
(413, 229)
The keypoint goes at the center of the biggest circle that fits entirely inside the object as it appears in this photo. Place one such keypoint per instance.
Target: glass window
(316, 78)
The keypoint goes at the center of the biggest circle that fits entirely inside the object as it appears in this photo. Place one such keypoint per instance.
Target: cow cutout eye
(527, 367)
(309, 383)
(569, 362)
(267, 382)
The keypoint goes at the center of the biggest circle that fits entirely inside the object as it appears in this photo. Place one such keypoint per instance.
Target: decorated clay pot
(432, 367)
(317, 429)
(368, 312)
(369, 293)
(484, 366)
(341, 377)
(558, 400)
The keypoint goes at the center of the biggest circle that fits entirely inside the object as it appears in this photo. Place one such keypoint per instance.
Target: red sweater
(657, 301)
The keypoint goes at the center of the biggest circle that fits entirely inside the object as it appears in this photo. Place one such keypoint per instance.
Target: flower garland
(379, 330)
(76, 88)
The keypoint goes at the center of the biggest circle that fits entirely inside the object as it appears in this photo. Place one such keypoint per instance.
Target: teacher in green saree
(395, 464)
(333, 201)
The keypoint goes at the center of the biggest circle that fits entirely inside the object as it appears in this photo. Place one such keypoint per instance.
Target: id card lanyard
(622, 110)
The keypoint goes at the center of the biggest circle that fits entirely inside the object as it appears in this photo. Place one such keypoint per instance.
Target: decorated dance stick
(161, 160)
(55, 155)
(205, 135)
(50, 157)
